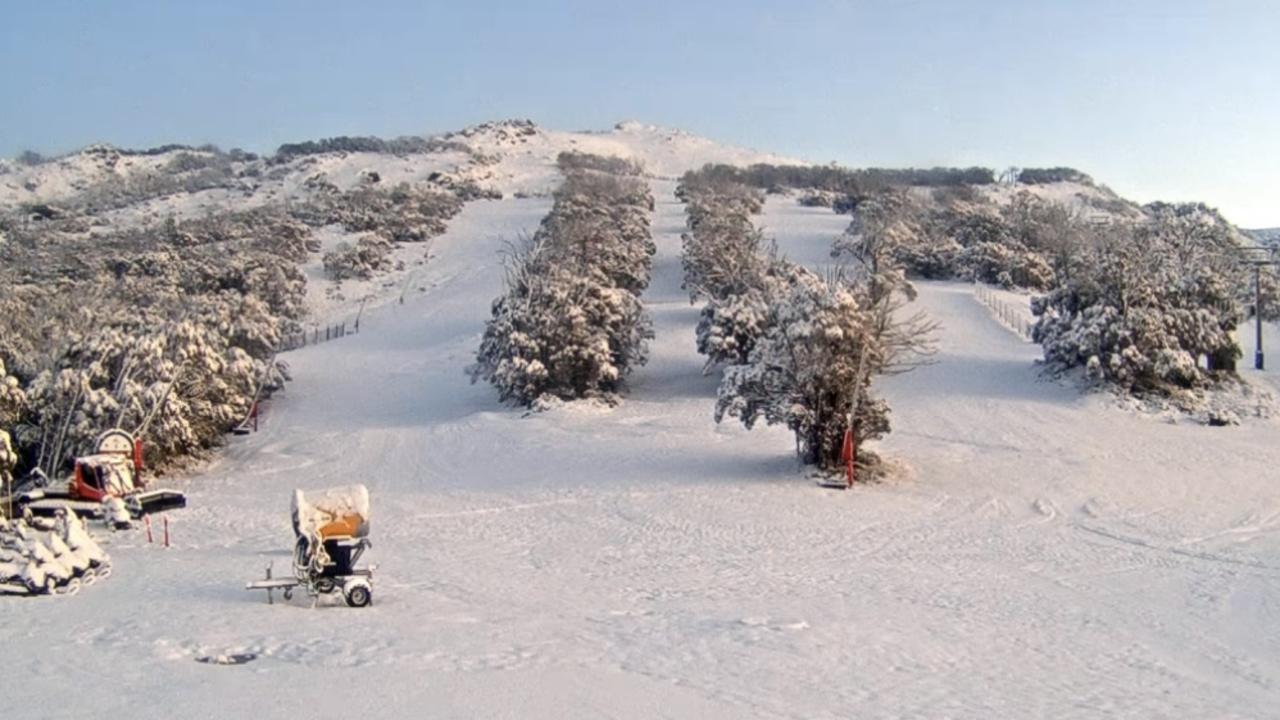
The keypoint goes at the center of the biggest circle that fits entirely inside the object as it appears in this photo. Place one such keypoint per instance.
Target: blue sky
(1172, 100)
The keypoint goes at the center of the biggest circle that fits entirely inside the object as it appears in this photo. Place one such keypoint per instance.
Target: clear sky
(1168, 99)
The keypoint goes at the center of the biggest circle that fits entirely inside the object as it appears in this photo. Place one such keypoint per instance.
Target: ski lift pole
(1259, 358)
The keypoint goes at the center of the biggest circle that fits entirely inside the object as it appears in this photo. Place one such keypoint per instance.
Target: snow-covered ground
(1042, 554)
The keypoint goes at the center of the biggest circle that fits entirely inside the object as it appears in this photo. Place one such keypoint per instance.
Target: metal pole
(1258, 359)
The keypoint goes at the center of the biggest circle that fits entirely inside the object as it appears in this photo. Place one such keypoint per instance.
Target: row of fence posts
(287, 343)
(331, 332)
(317, 335)
(1010, 315)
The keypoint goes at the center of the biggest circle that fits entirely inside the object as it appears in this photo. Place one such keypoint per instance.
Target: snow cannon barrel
(336, 512)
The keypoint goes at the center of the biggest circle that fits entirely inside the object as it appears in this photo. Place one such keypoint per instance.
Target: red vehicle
(113, 471)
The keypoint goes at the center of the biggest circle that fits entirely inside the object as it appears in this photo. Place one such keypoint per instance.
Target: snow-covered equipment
(114, 470)
(331, 533)
(49, 556)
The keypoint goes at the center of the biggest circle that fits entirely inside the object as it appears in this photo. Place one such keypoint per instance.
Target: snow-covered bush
(726, 262)
(568, 162)
(728, 329)
(13, 401)
(957, 235)
(1148, 307)
(722, 250)
(1044, 176)
(561, 334)
(179, 384)
(570, 323)
(600, 225)
(404, 213)
(370, 255)
(811, 370)
(8, 460)
(169, 329)
(797, 349)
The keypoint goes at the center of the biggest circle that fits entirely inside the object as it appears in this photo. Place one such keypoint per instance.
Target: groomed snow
(1042, 554)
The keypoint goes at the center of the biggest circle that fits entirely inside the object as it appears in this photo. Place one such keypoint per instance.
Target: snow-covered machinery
(102, 482)
(331, 532)
(49, 556)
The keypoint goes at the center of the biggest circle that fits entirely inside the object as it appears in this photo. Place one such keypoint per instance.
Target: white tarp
(311, 512)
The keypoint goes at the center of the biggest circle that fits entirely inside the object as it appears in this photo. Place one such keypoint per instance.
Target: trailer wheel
(359, 595)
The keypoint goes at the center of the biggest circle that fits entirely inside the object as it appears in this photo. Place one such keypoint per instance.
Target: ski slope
(1041, 554)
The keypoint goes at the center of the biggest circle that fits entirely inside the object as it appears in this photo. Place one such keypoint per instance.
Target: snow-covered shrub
(370, 255)
(178, 384)
(816, 198)
(404, 145)
(600, 225)
(560, 334)
(8, 460)
(176, 322)
(1045, 176)
(798, 349)
(13, 401)
(811, 370)
(570, 161)
(958, 235)
(404, 213)
(570, 323)
(726, 261)
(723, 250)
(729, 329)
(1007, 264)
(1148, 307)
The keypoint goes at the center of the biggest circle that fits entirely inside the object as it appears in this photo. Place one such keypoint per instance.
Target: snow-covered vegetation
(1144, 299)
(799, 349)
(1149, 306)
(154, 286)
(570, 324)
(170, 327)
(173, 332)
(637, 559)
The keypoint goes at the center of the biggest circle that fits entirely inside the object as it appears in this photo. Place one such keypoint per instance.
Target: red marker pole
(166, 532)
(146, 521)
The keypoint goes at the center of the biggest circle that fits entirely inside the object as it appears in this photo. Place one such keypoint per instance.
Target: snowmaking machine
(107, 484)
(331, 533)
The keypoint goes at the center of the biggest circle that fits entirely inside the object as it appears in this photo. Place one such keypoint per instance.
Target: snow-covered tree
(370, 255)
(722, 251)
(812, 369)
(570, 323)
(1148, 306)
(178, 384)
(8, 460)
(959, 235)
(560, 334)
(13, 401)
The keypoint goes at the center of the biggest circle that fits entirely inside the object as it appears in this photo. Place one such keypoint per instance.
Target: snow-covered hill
(512, 156)
(1041, 555)
(115, 190)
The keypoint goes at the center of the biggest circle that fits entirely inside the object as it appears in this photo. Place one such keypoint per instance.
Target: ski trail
(1069, 559)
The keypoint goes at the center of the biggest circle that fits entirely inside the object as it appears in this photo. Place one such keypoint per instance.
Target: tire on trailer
(358, 595)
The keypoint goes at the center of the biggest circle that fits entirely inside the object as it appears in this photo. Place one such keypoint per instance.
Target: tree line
(569, 323)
